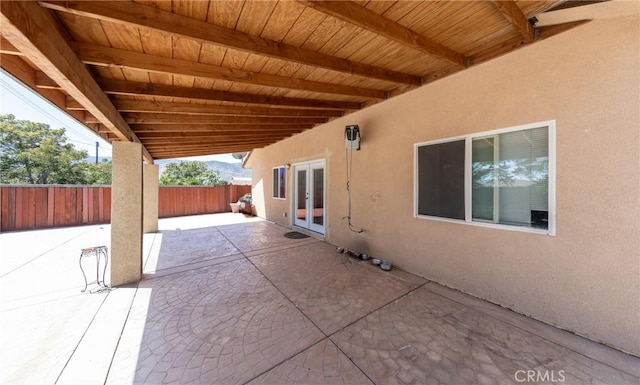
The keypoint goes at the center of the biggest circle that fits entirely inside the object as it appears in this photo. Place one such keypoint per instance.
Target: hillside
(225, 170)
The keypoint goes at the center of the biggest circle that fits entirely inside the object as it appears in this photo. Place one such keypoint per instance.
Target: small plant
(246, 198)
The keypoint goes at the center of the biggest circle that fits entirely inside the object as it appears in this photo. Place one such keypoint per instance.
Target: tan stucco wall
(586, 278)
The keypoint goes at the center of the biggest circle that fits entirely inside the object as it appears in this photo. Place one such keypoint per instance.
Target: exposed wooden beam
(7, 48)
(34, 31)
(234, 139)
(154, 118)
(365, 18)
(208, 151)
(230, 147)
(123, 87)
(23, 72)
(214, 140)
(222, 134)
(514, 15)
(504, 47)
(238, 147)
(145, 130)
(211, 139)
(212, 150)
(172, 23)
(500, 48)
(189, 136)
(111, 57)
(73, 105)
(43, 81)
(130, 105)
(179, 147)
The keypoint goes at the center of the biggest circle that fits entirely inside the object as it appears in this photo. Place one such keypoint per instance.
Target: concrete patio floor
(228, 299)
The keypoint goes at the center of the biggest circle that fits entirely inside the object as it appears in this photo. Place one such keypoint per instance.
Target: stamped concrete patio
(228, 299)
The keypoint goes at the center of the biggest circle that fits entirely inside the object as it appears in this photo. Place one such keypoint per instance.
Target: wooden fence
(192, 200)
(36, 207)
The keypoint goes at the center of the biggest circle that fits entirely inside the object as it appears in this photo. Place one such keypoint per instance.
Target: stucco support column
(150, 174)
(126, 213)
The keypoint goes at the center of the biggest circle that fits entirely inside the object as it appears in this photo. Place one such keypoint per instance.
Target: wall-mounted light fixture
(352, 137)
(287, 166)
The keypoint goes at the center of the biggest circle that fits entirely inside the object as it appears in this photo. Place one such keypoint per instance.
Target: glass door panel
(318, 196)
(301, 194)
(309, 196)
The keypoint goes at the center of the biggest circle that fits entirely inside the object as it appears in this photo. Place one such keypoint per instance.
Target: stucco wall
(586, 278)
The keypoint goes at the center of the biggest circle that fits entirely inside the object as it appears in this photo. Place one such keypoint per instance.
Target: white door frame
(308, 221)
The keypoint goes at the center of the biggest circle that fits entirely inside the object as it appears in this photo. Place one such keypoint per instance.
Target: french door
(309, 196)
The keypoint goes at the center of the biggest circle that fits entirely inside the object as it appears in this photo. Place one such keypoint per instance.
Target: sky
(25, 104)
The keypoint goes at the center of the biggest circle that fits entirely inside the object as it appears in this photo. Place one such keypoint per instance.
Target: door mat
(295, 235)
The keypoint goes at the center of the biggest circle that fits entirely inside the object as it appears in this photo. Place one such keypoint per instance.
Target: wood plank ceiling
(189, 78)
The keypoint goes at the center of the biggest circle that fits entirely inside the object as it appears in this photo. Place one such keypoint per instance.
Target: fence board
(58, 202)
(50, 206)
(107, 204)
(12, 208)
(85, 205)
(35, 207)
(101, 207)
(41, 209)
(94, 216)
(32, 208)
(19, 200)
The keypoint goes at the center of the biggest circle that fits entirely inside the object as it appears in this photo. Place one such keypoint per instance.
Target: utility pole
(97, 144)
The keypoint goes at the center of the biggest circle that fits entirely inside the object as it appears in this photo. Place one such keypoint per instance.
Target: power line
(9, 87)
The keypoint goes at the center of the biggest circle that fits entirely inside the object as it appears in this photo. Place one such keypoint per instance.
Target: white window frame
(551, 199)
(278, 183)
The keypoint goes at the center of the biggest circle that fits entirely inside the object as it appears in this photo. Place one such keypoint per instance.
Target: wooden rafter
(223, 135)
(364, 18)
(165, 147)
(175, 24)
(204, 147)
(35, 32)
(129, 105)
(514, 15)
(209, 151)
(198, 129)
(503, 47)
(22, 71)
(44, 81)
(220, 148)
(122, 87)
(212, 149)
(217, 138)
(7, 48)
(111, 57)
(195, 142)
(154, 118)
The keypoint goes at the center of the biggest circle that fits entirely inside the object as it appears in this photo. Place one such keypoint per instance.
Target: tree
(189, 174)
(98, 173)
(32, 153)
